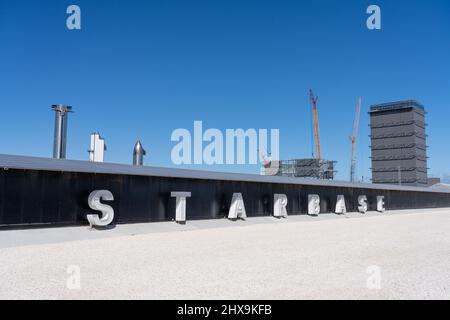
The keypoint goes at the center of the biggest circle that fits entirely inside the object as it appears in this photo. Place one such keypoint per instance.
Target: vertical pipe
(60, 133)
(57, 136)
(64, 135)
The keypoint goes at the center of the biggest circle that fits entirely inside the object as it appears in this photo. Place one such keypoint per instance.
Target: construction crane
(316, 124)
(353, 140)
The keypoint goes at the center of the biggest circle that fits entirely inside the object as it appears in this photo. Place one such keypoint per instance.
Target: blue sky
(140, 69)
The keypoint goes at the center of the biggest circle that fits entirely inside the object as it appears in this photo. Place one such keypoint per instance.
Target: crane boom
(316, 124)
(353, 140)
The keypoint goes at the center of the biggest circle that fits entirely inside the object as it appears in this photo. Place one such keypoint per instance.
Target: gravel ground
(380, 256)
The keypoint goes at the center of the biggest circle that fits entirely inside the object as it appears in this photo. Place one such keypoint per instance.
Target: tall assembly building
(399, 150)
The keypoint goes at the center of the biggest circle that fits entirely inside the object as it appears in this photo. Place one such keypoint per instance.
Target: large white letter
(275, 144)
(380, 204)
(180, 211)
(340, 205)
(74, 20)
(362, 204)
(216, 147)
(241, 137)
(237, 209)
(374, 21)
(279, 205)
(313, 204)
(198, 142)
(184, 145)
(95, 204)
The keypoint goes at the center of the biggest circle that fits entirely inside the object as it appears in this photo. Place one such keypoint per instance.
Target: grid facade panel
(398, 143)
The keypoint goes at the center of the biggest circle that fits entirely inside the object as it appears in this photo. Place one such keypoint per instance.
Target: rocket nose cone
(138, 148)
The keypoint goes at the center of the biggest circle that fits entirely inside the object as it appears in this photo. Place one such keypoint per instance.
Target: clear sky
(140, 69)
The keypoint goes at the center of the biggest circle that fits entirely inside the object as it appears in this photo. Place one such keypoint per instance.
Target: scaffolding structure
(307, 168)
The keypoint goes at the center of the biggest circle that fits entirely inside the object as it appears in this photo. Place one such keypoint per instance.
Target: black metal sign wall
(62, 198)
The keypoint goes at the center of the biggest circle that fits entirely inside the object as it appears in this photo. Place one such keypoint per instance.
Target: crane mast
(353, 140)
(316, 124)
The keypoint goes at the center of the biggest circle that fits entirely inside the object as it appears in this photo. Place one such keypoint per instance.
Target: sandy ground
(394, 255)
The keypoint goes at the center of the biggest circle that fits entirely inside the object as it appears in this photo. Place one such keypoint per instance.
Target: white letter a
(374, 21)
(74, 20)
(237, 209)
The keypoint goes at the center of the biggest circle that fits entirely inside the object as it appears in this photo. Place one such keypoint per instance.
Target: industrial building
(398, 143)
(62, 192)
(69, 192)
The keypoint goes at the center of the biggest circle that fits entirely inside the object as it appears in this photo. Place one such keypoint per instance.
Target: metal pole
(60, 133)
(57, 136)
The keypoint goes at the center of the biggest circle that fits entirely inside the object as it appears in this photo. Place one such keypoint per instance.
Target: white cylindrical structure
(60, 133)
(97, 148)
